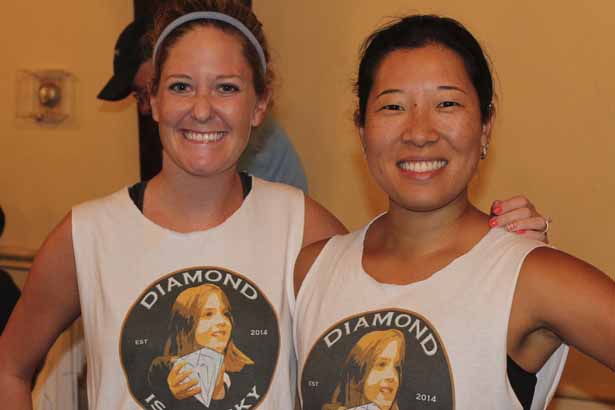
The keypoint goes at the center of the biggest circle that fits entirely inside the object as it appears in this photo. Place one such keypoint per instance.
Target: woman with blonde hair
(372, 372)
(200, 318)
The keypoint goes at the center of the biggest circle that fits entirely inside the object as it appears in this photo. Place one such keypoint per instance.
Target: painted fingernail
(497, 210)
(493, 222)
(520, 231)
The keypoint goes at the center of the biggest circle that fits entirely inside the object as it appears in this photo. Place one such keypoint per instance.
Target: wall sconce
(45, 96)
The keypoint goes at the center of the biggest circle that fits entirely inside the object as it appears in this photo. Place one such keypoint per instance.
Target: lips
(219, 333)
(210, 136)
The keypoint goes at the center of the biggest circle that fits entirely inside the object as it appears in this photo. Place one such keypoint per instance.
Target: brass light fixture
(45, 96)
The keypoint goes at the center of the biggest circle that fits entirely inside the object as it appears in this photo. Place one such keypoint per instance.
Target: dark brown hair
(418, 31)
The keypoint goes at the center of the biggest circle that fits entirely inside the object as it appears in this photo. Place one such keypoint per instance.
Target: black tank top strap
(137, 191)
(246, 183)
(522, 382)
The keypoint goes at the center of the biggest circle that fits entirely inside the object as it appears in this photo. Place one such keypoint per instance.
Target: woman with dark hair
(504, 306)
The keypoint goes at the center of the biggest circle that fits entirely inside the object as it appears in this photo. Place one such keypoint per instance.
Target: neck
(421, 232)
(185, 203)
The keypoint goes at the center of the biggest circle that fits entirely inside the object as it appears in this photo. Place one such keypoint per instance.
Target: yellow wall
(44, 171)
(554, 138)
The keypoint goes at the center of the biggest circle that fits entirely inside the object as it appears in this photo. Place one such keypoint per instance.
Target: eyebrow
(228, 77)
(187, 77)
(220, 77)
(440, 87)
(389, 91)
(451, 87)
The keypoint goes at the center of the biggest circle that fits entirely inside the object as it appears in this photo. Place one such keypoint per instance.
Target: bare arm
(48, 305)
(320, 225)
(561, 299)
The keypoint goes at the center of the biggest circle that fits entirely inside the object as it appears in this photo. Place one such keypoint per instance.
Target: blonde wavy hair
(359, 362)
(185, 315)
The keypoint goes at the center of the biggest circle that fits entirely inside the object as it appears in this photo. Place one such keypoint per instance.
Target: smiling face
(214, 327)
(382, 381)
(423, 129)
(206, 104)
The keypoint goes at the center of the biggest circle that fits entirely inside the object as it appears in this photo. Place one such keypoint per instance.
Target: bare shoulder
(319, 223)
(549, 276)
(305, 260)
(571, 299)
(53, 276)
(553, 268)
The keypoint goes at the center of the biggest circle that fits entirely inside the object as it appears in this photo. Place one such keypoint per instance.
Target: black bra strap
(137, 191)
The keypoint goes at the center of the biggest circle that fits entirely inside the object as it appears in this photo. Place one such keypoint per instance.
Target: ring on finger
(548, 221)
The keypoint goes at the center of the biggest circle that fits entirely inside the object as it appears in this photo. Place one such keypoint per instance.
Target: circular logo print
(200, 338)
(382, 360)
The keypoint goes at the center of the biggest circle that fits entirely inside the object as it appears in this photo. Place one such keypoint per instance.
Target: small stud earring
(483, 151)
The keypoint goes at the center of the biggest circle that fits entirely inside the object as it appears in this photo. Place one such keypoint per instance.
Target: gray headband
(212, 15)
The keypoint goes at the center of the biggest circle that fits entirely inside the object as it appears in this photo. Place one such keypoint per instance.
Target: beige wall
(554, 138)
(44, 171)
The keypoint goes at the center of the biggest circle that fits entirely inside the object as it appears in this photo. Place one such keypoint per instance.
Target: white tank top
(435, 344)
(216, 300)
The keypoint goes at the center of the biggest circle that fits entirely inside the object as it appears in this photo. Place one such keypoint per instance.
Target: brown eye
(227, 88)
(448, 104)
(392, 107)
(381, 364)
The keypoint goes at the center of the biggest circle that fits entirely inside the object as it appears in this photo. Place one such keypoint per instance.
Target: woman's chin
(217, 346)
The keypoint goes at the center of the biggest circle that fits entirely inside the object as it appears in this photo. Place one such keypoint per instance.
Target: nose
(419, 127)
(220, 321)
(390, 375)
(201, 108)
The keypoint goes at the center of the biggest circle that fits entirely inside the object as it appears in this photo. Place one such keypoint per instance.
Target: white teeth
(422, 166)
(204, 136)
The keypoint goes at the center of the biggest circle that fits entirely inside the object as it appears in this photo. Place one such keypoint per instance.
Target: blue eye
(179, 87)
(227, 88)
